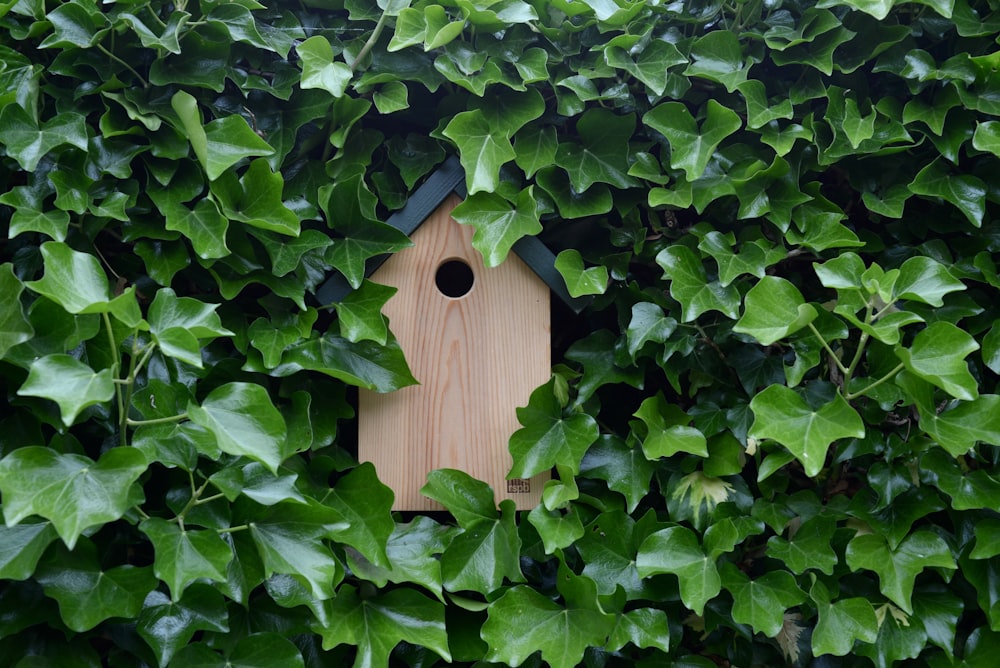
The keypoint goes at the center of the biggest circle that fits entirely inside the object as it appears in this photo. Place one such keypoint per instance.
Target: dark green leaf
(244, 422)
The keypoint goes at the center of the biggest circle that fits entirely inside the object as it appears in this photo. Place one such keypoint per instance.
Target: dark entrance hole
(454, 278)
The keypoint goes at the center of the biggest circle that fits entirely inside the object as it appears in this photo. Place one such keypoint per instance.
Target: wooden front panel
(477, 357)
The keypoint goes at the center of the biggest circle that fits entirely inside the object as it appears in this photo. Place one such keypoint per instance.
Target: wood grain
(477, 357)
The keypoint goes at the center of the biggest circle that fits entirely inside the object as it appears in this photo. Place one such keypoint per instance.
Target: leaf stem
(109, 54)
(241, 527)
(827, 348)
(163, 420)
(862, 342)
(127, 394)
(889, 376)
(376, 33)
(209, 499)
(116, 361)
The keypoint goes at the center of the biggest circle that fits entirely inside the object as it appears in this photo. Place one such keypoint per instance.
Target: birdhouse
(477, 339)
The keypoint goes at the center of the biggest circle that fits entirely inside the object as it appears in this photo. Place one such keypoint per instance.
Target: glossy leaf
(168, 626)
(691, 147)
(547, 438)
(898, 568)
(762, 602)
(783, 415)
(774, 308)
(68, 382)
(72, 491)
(690, 286)
(482, 150)
(581, 281)
(841, 623)
(676, 550)
(498, 223)
(360, 313)
(319, 69)
(184, 556)
(243, 421)
(938, 355)
(21, 546)
(378, 624)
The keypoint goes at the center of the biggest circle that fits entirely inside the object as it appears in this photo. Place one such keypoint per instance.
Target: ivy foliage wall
(774, 429)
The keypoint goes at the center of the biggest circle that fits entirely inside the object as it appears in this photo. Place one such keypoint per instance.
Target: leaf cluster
(774, 430)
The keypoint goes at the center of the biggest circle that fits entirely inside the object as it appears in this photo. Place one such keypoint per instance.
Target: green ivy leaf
(179, 324)
(965, 192)
(377, 624)
(763, 601)
(958, 429)
(88, 595)
(754, 257)
(602, 154)
(319, 70)
(364, 505)
(718, 56)
(807, 547)
(168, 626)
(363, 240)
(482, 556)
(900, 637)
(28, 142)
(482, 150)
(77, 282)
(987, 137)
(841, 623)
(676, 550)
(68, 382)
(364, 364)
(667, 430)
(938, 355)
(522, 622)
(71, 491)
(244, 422)
(773, 309)
(581, 281)
(547, 438)
(21, 546)
(898, 568)
(649, 65)
(257, 649)
(925, 280)
(182, 556)
(625, 469)
(690, 286)
(692, 147)
(498, 224)
(290, 540)
(783, 415)
(557, 530)
(648, 324)
(360, 313)
(255, 198)
(470, 501)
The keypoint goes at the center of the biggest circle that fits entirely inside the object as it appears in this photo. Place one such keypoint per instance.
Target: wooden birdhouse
(477, 339)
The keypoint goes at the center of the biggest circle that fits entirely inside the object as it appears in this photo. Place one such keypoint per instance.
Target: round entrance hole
(454, 278)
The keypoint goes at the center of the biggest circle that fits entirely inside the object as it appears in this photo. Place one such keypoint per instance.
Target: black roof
(447, 179)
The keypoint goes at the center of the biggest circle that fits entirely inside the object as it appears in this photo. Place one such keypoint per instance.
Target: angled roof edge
(447, 179)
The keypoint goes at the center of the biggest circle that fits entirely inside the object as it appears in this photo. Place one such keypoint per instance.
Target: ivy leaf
(690, 286)
(360, 313)
(841, 623)
(204, 225)
(87, 595)
(898, 568)
(377, 624)
(648, 324)
(482, 556)
(364, 364)
(77, 282)
(959, 429)
(692, 147)
(522, 622)
(938, 356)
(255, 198)
(319, 70)
(783, 415)
(413, 551)
(557, 530)
(68, 382)
(482, 150)
(71, 491)
(498, 224)
(21, 546)
(625, 469)
(648, 65)
(244, 422)
(546, 438)
(182, 556)
(809, 546)
(925, 280)
(580, 281)
(774, 308)
(987, 137)
(169, 315)
(364, 505)
(676, 550)
(667, 432)
(167, 626)
(762, 602)
(470, 501)
(363, 240)
(27, 142)
(289, 539)
(602, 154)
(718, 56)
(965, 192)
(250, 651)
(753, 258)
